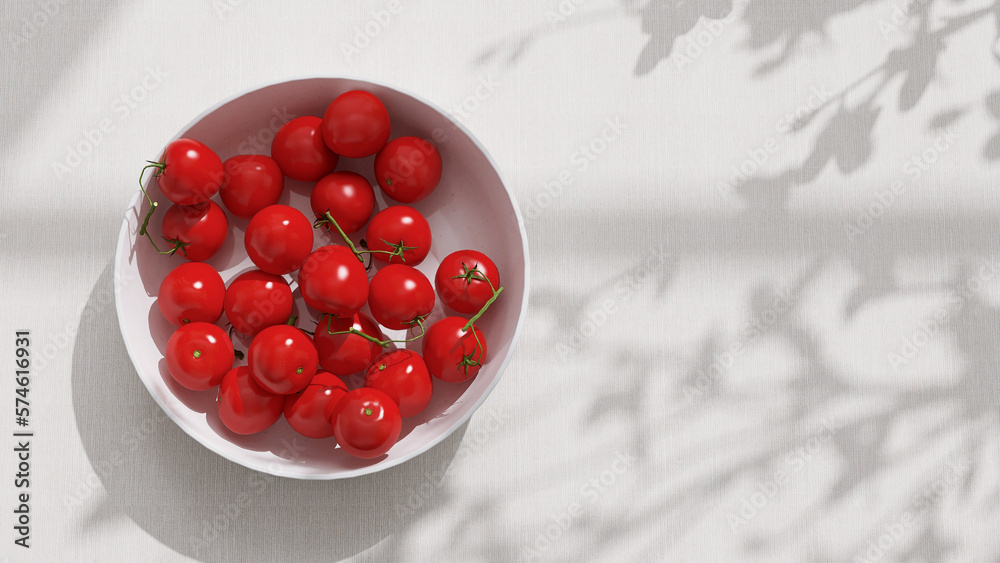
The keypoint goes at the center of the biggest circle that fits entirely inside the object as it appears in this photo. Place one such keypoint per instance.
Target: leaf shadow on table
(847, 137)
(991, 151)
(845, 125)
(771, 25)
(662, 20)
(666, 20)
(203, 506)
(691, 475)
(776, 32)
(785, 25)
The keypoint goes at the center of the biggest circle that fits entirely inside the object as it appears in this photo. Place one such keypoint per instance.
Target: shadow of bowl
(200, 504)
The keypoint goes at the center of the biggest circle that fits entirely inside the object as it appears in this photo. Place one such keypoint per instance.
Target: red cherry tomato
(356, 124)
(309, 412)
(192, 292)
(202, 228)
(191, 172)
(459, 280)
(399, 226)
(400, 296)
(347, 196)
(453, 354)
(344, 354)
(256, 300)
(403, 376)
(251, 183)
(282, 359)
(333, 281)
(198, 355)
(366, 423)
(408, 169)
(278, 239)
(244, 406)
(300, 151)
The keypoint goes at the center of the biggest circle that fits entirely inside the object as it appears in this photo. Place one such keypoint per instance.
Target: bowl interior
(471, 208)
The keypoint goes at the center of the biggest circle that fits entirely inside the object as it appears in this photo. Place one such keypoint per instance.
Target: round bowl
(471, 208)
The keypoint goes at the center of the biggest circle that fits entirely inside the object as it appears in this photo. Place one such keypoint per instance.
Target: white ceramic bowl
(471, 208)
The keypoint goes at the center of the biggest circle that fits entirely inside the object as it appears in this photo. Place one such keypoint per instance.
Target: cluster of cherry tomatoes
(291, 371)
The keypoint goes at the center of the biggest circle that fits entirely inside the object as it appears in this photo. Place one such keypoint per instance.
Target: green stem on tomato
(370, 338)
(476, 274)
(397, 249)
(496, 293)
(467, 360)
(144, 228)
(175, 244)
(328, 219)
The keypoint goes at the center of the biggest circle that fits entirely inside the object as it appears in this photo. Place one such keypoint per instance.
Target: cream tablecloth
(764, 305)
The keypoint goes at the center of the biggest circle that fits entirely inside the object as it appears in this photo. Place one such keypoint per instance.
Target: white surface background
(859, 408)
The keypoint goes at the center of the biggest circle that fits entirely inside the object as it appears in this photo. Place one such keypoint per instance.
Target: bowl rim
(377, 467)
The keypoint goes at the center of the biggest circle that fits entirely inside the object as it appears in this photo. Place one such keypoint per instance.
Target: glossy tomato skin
(192, 172)
(366, 423)
(466, 296)
(198, 355)
(300, 151)
(347, 196)
(256, 300)
(399, 225)
(251, 183)
(356, 124)
(344, 354)
(244, 406)
(408, 169)
(278, 239)
(203, 226)
(309, 411)
(192, 292)
(399, 296)
(282, 359)
(333, 281)
(445, 345)
(403, 376)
